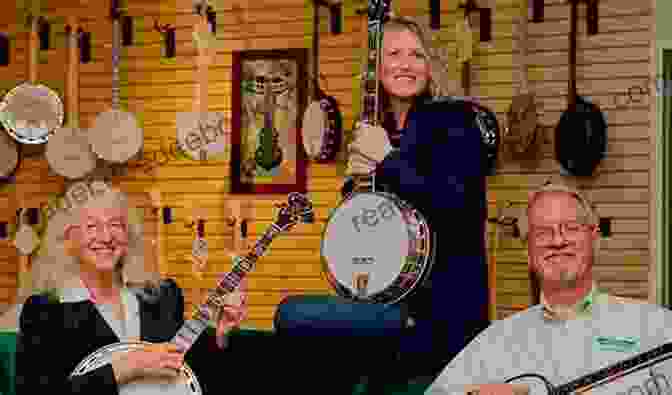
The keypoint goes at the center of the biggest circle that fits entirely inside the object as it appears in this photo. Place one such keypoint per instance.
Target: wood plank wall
(608, 64)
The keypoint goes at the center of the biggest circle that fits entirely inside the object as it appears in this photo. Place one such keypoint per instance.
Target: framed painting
(269, 89)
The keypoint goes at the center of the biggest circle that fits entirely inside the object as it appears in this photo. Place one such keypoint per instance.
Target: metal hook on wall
(168, 33)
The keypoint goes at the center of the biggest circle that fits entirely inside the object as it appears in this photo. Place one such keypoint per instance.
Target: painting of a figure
(268, 103)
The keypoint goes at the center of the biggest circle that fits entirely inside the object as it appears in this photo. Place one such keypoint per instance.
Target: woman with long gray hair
(101, 296)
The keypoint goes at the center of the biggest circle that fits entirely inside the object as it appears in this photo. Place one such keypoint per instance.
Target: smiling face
(100, 238)
(560, 243)
(404, 65)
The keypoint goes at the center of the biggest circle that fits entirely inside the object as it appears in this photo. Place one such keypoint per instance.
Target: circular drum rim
(55, 99)
(426, 259)
(102, 353)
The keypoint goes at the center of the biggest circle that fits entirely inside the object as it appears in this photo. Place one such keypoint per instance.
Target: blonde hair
(58, 269)
(438, 82)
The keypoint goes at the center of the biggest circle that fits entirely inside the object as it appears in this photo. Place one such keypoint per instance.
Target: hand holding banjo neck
(68, 151)
(202, 134)
(116, 136)
(581, 134)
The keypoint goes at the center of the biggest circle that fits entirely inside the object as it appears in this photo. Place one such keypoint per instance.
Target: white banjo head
(116, 136)
(185, 383)
(31, 113)
(312, 128)
(366, 234)
(9, 155)
(198, 132)
(69, 153)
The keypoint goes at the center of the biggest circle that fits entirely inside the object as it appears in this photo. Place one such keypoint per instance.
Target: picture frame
(269, 97)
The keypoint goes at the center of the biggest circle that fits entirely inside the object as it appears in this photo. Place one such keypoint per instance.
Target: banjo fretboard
(116, 55)
(193, 328)
(377, 12)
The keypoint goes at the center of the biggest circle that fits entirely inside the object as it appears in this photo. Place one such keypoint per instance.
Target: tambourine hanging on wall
(31, 112)
(322, 128)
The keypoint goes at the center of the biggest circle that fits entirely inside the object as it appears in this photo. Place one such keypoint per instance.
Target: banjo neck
(299, 206)
(572, 54)
(377, 11)
(203, 60)
(116, 55)
(524, 77)
(33, 48)
(72, 91)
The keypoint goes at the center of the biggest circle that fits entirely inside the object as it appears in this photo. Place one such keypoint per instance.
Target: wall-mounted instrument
(31, 112)
(116, 136)
(375, 247)
(199, 246)
(485, 119)
(268, 154)
(581, 134)
(202, 134)
(322, 122)
(10, 156)
(68, 150)
(522, 128)
(297, 209)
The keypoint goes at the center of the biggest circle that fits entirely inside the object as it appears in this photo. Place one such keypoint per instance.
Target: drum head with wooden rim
(312, 128)
(31, 113)
(69, 153)
(198, 132)
(9, 155)
(116, 136)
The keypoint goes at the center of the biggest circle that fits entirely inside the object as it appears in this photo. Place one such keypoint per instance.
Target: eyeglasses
(570, 231)
(115, 228)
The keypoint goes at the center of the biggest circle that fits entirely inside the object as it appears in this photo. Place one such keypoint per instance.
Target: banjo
(522, 128)
(116, 136)
(322, 121)
(389, 249)
(297, 209)
(68, 151)
(649, 372)
(202, 134)
(31, 112)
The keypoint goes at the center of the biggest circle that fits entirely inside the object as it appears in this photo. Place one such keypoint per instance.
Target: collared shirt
(580, 309)
(127, 330)
(527, 342)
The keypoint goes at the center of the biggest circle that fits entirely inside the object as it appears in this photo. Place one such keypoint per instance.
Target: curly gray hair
(56, 269)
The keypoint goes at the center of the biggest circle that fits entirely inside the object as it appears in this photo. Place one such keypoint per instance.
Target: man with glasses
(575, 330)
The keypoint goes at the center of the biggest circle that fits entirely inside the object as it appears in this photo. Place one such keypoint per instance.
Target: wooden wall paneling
(608, 64)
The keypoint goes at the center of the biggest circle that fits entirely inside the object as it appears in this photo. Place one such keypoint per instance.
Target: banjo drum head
(9, 155)
(69, 153)
(185, 383)
(30, 113)
(116, 136)
(313, 125)
(198, 132)
(368, 233)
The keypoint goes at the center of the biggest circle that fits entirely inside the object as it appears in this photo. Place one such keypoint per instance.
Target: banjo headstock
(297, 209)
(379, 10)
